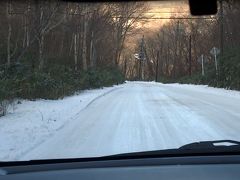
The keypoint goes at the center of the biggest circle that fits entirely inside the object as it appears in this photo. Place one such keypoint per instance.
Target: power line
(206, 18)
(167, 12)
(221, 26)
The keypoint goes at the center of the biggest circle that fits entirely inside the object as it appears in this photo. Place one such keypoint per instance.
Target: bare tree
(8, 13)
(126, 15)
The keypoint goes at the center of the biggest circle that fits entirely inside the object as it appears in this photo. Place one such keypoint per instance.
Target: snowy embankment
(33, 122)
(198, 88)
(208, 89)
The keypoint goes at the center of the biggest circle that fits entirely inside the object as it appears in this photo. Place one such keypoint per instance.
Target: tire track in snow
(212, 123)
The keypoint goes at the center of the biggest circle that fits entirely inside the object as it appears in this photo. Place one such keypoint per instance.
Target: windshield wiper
(223, 147)
(198, 148)
(211, 145)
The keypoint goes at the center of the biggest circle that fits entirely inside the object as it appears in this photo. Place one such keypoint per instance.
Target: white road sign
(215, 51)
(136, 56)
(199, 60)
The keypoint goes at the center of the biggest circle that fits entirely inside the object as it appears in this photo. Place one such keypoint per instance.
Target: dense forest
(175, 52)
(50, 49)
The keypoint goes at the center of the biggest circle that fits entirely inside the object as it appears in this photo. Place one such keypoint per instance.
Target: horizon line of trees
(80, 35)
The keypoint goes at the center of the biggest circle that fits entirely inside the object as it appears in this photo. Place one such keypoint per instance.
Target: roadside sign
(136, 56)
(140, 57)
(215, 51)
(200, 60)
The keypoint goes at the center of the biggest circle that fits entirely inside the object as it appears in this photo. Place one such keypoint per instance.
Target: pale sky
(165, 9)
(160, 9)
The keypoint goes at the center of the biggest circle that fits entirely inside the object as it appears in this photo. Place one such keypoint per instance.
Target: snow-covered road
(145, 116)
(141, 116)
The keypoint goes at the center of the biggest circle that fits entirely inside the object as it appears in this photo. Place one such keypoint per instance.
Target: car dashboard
(223, 167)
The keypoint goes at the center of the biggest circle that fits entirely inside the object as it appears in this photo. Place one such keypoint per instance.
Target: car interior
(219, 162)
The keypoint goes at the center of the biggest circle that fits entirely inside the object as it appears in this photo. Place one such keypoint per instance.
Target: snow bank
(32, 122)
(198, 88)
(207, 89)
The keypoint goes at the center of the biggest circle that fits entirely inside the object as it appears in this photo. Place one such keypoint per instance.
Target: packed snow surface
(135, 116)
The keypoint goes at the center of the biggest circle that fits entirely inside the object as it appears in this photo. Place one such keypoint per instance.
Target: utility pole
(177, 48)
(8, 13)
(84, 44)
(141, 59)
(156, 78)
(161, 53)
(221, 26)
(202, 61)
(190, 55)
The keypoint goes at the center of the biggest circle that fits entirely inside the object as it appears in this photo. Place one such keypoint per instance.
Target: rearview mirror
(203, 7)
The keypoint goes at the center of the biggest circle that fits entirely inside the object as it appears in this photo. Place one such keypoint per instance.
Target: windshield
(95, 79)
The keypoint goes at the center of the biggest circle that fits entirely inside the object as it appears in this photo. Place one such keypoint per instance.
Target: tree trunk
(118, 42)
(75, 52)
(25, 30)
(9, 43)
(41, 45)
(84, 52)
(9, 34)
(41, 41)
(26, 26)
(92, 52)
